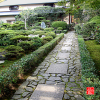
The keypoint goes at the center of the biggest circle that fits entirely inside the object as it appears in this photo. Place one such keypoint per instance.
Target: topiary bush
(36, 27)
(49, 29)
(48, 38)
(18, 25)
(13, 72)
(51, 34)
(37, 42)
(5, 41)
(6, 25)
(38, 32)
(13, 52)
(20, 37)
(57, 24)
(25, 45)
(64, 31)
(59, 28)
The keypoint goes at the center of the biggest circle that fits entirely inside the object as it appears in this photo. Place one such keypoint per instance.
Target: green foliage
(13, 52)
(49, 29)
(59, 28)
(51, 34)
(18, 25)
(94, 50)
(87, 29)
(6, 25)
(64, 31)
(37, 42)
(95, 19)
(77, 28)
(36, 27)
(12, 74)
(26, 45)
(22, 37)
(5, 40)
(39, 32)
(48, 38)
(15, 39)
(2, 28)
(57, 24)
(89, 78)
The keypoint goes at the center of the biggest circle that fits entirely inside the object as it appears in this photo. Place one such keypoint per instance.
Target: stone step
(48, 92)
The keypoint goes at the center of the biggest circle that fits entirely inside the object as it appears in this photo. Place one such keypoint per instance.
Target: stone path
(58, 77)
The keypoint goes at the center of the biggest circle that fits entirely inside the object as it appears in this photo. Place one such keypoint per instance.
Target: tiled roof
(23, 2)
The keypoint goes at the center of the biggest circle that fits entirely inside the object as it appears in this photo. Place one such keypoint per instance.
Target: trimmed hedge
(49, 29)
(12, 74)
(57, 24)
(89, 78)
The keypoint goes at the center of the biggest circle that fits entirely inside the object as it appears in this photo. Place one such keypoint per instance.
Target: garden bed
(89, 78)
(15, 71)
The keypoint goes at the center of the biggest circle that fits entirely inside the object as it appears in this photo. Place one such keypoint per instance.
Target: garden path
(58, 77)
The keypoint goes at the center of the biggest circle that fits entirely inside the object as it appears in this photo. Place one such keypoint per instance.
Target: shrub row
(57, 24)
(13, 73)
(89, 78)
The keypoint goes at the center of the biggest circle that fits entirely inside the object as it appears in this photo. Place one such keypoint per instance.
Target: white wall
(21, 7)
(4, 8)
(5, 18)
(29, 6)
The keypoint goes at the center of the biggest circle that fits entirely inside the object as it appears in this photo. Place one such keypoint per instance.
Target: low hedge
(13, 73)
(89, 78)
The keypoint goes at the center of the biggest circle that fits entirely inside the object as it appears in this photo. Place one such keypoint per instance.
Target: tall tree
(25, 14)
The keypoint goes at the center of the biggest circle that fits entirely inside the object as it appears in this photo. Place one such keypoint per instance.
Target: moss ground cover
(94, 50)
(89, 78)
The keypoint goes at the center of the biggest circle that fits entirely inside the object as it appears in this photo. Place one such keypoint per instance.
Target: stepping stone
(66, 48)
(65, 43)
(57, 68)
(48, 92)
(63, 55)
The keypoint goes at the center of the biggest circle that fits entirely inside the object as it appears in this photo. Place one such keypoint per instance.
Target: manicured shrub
(58, 31)
(95, 19)
(19, 37)
(59, 28)
(12, 74)
(38, 32)
(57, 24)
(78, 28)
(37, 42)
(26, 45)
(51, 34)
(4, 41)
(2, 28)
(6, 25)
(18, 25)
(13, 51)
(48, 38)
(3, 33)
(36, 27)
(89, 78)
(48, 29)
(88, 28)
(64, 31)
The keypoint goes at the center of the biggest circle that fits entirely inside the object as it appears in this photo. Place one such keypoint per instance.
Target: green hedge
(89, 78)
(57, 24)
(12, 73)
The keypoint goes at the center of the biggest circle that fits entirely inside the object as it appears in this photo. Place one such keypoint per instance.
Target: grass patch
(94, 50)
(89, 78)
